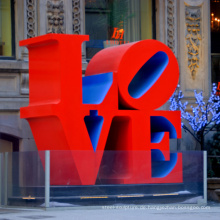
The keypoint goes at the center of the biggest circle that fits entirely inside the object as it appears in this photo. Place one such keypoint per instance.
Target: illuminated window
(115, 22)
(215, 40)
(6, 32)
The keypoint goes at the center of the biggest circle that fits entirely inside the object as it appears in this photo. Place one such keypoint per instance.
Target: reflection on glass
(115, 22)
(215, 26)
(215, 68)
(215, 42)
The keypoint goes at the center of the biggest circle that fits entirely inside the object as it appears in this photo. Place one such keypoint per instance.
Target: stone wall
(32, 18)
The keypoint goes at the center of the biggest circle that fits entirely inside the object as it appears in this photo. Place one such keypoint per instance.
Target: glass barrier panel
(80, 178)
(128, 177)
(26, 179)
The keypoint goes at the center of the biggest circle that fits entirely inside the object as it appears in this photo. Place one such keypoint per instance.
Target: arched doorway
(8, 143)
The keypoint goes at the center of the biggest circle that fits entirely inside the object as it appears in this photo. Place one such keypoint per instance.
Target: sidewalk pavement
(121, 212)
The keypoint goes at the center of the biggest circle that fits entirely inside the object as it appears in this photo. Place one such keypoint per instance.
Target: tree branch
(209, 129)
(187, 129)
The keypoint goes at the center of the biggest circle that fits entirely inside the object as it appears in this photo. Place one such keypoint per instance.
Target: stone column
(194, 49)
(29, 12)
(194, 54)
(184, 25)
(64, 17)
(171, 29)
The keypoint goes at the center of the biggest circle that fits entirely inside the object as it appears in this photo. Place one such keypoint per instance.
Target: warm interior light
(121, 30)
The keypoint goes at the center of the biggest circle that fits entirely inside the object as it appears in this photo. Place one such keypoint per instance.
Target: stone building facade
(184, 25)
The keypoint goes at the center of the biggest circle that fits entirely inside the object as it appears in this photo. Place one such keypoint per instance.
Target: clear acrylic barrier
(105, 178)
(126, 177)
(26, 179)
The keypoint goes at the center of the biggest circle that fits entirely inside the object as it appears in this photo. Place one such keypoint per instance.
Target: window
(6, 29)
(215, 41)
(115, 22)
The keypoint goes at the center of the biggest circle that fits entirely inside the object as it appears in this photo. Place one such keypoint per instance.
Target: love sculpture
(107, 121)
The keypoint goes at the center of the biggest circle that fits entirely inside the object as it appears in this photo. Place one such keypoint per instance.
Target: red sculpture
(105, 123)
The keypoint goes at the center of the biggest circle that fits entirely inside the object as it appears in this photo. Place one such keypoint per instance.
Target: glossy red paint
(56, 111)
